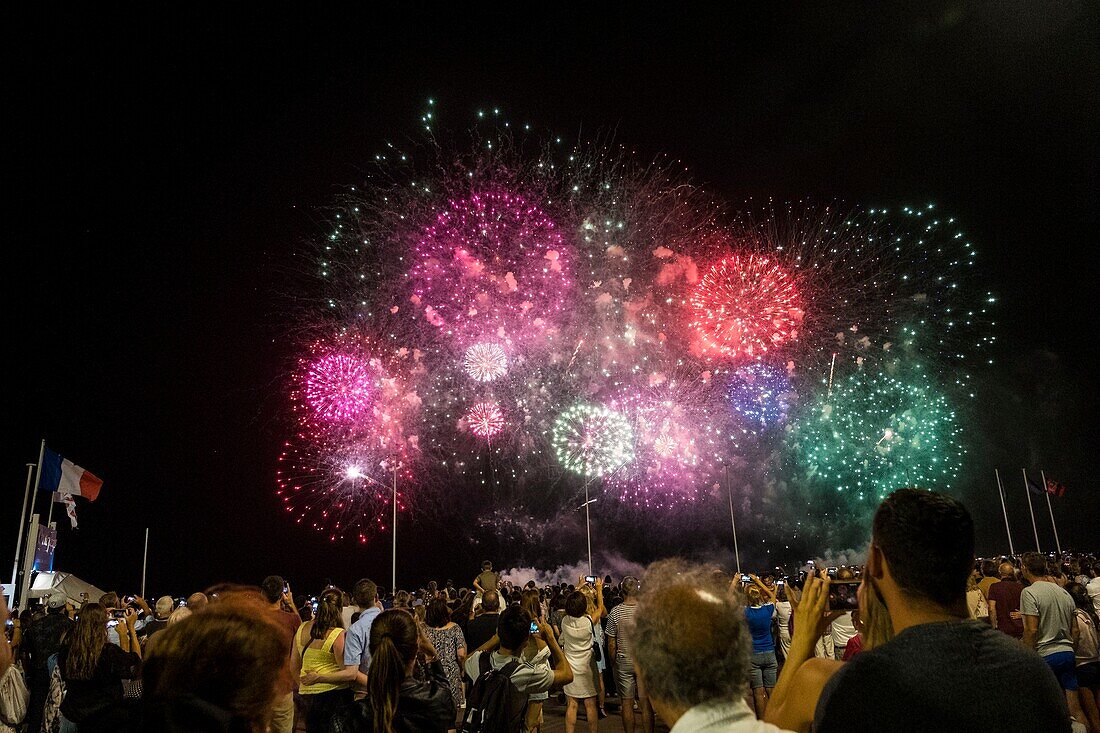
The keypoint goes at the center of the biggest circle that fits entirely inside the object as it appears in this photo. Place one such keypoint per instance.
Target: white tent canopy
(75, 589)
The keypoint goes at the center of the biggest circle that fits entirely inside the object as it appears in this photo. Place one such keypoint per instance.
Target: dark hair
(232, 656)
(393, 642)
(486, 565)
(329, 616)
(1034, 563)
(576, 604)
(989, 569)
(109, 600)
(928, 540)
(490, 600)
(272, 588)
(364, 593)
(437, 615)
(1083, 601)
(513, 627)
(86, 641)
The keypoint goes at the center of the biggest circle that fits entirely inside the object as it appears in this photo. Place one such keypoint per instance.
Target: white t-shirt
(783, 616)
(527, 678)
(842, 629)
(1093, 588)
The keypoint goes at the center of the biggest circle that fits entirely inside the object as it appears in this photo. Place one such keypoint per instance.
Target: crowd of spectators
(921, 637)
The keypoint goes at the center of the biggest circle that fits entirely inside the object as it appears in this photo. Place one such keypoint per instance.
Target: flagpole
(1046, 492)
(22, 527)
(1004, 509)
(49, 515)
(144, 562)
(34, 492)
(1030, 508)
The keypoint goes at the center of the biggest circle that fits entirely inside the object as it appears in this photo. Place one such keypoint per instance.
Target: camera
(745, 578)
(590, 579)
(534, 627)
(831, 573)
(843, 595)
(119, 613)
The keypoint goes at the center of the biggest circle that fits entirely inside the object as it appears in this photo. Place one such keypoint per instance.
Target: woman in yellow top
(325, 682)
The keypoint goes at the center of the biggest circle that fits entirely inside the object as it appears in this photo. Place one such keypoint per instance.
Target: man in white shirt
(1093, 586)
(695, 670)
(513, 634)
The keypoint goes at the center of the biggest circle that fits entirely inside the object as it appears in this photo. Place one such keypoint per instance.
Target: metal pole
(49, 515)
(1046, 492)
(588, 525)
(22, 527)
(1001, 493)
(34, 492)
(1030, 508)
(393, 575)
(28, 562)
(144, 562)
(733, 523)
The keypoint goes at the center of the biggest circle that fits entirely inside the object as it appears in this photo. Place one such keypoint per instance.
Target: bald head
(691, 645)
(1007, 570)
(197, 601)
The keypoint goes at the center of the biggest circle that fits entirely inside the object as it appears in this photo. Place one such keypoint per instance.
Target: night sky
(162, 172)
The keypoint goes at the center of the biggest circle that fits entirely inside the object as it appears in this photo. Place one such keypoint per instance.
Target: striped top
(619, 623)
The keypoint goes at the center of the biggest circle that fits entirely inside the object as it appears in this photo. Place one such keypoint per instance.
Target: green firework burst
(875, 432)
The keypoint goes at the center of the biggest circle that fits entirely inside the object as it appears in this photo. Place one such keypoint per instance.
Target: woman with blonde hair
(318, 654)
(975, 600)
(759, 614)
(804, 676)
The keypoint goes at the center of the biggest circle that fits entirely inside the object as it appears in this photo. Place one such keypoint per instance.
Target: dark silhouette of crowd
(922, 636)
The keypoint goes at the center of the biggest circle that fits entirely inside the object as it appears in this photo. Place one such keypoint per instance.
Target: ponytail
(393, 644)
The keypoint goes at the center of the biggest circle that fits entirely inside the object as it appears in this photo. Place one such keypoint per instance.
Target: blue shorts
(1064, 666)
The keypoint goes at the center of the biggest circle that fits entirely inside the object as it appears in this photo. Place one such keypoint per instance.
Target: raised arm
(563, 673)
(809, 624)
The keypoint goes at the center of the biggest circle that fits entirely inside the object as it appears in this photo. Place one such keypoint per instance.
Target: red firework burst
(485, 419)
(745, 306)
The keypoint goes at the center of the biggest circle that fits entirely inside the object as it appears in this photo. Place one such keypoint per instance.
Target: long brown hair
(86, 642)
(328, 617)
(393, 644)
(529, 601)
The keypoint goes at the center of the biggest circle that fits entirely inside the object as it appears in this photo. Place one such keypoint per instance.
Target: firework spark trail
(575, 308)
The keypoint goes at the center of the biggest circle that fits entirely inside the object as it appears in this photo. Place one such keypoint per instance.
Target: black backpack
(494, 704)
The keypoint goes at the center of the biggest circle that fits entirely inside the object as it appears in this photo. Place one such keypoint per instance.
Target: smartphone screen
(843, 595)
(590, 579)
(534, 628)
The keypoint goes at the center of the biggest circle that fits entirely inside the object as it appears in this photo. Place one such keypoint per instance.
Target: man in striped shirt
(619, 624)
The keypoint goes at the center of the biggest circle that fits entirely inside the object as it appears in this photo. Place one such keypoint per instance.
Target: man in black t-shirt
(484, 626)
(941, 671)
(43, 640)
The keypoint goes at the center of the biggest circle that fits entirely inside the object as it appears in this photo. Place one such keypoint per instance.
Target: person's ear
(875, 562)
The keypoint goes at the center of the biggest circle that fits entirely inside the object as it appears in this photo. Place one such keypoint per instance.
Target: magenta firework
(534, 318)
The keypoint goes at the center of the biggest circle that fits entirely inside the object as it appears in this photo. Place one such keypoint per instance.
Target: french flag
(62, 476)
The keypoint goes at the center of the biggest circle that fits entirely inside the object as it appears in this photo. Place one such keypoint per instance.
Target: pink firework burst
(745, 306)
(339, 388)
(485, 419)
(492, 263)
(485, 362)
